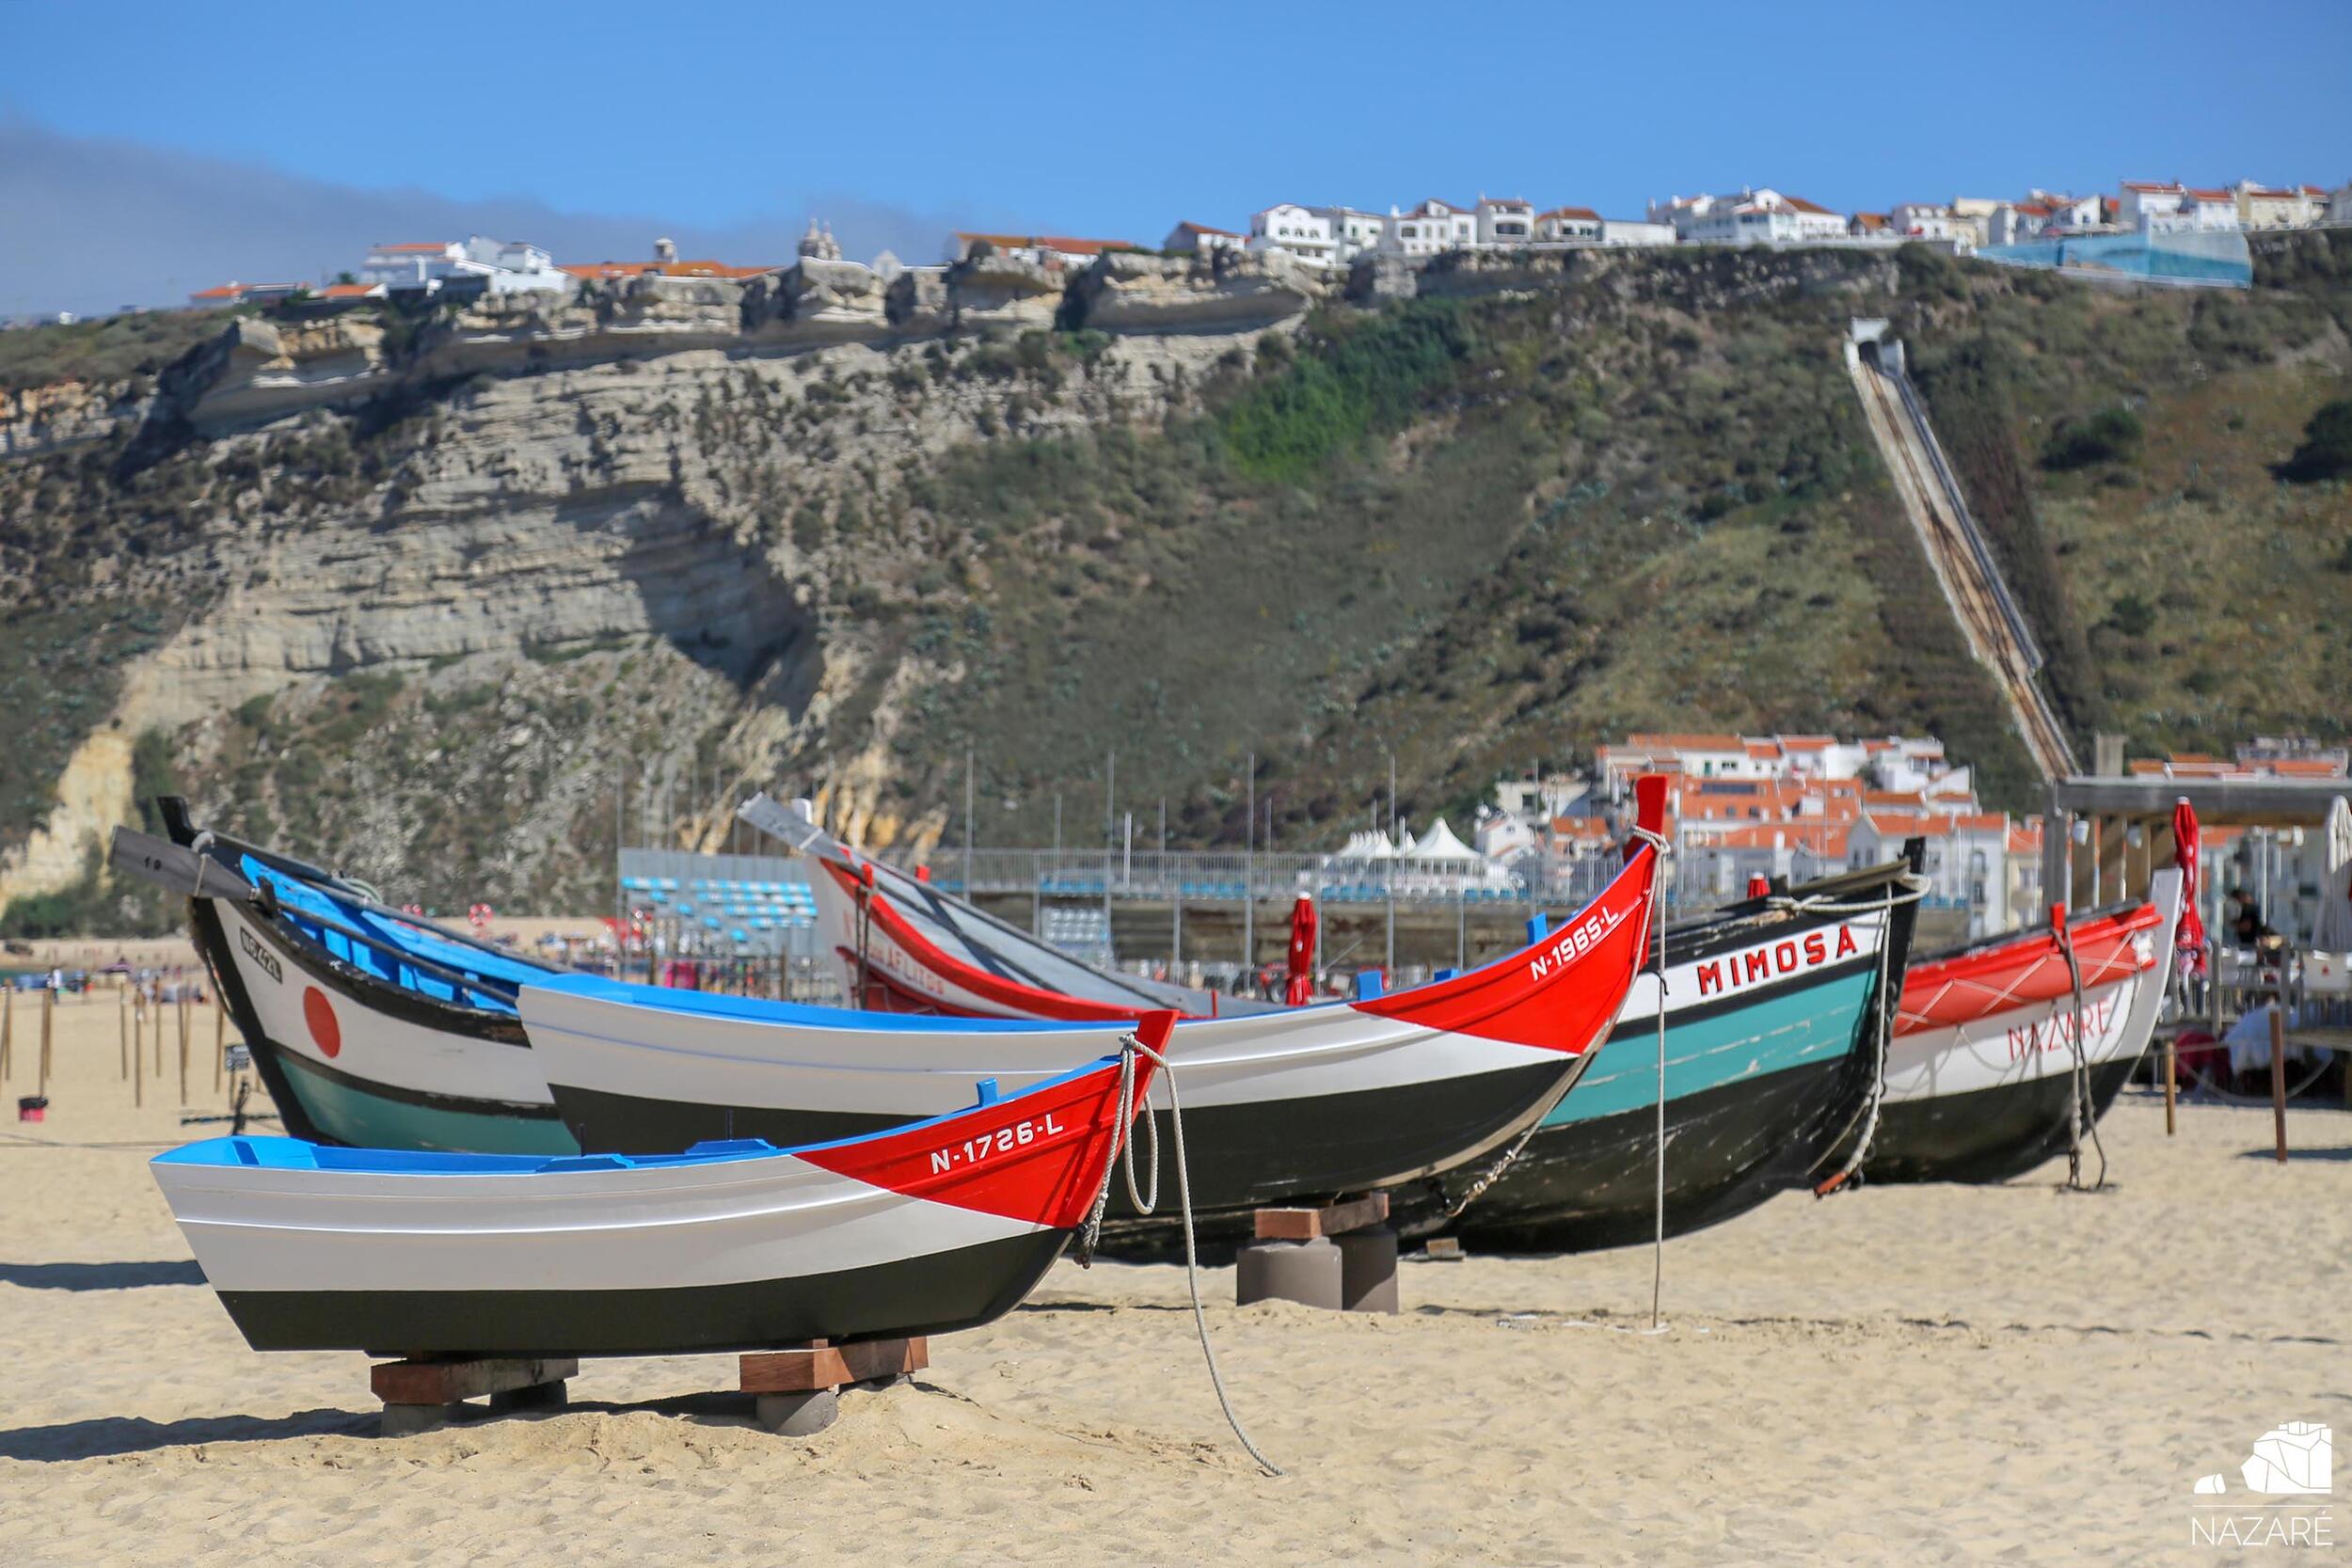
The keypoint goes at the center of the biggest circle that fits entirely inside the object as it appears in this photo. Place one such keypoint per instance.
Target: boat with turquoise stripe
(1778, 1012)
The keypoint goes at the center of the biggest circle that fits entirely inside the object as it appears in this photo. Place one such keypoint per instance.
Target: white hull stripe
(369, 1045)
(612, 1048)
(734, 1223)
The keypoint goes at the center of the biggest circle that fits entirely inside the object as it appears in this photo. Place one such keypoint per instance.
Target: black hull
(935, 1294)
(1990, 1135)
(1587, 1185)
(1240, 1157)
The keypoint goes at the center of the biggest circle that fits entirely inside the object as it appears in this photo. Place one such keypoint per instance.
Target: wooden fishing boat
(1277, 1105)
(734, 1246)
(370, 1027)
(1981, 1078)
(1775, 1014)
(380, 1030)
(901, 945)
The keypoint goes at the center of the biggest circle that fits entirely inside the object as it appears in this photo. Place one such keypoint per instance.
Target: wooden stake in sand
(122, 1020)
(2171, 1079)
(7, 1027)
(220, 1039)
(2277, 1069)
(182, 1011)
(49, 1009)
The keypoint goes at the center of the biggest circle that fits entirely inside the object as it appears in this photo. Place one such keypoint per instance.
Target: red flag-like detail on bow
(1299, 988)
(2189, 946)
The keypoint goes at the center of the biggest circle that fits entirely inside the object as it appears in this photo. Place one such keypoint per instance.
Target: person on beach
(2245, 919)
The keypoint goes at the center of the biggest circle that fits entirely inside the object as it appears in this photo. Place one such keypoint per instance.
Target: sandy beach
(1897, 1375)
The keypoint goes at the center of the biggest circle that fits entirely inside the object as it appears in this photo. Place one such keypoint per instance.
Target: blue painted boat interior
(307, 905)
(295, 1154)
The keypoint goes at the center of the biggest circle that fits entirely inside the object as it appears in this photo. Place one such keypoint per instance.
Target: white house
(506, 266)
(2209, 209)
(2068, 213)
(1564, 225)
(1428, 227)
(1931, 220)
(2339, 206)
(1198, 239)
(1503, 223)
(2276, 207)
(1761, 216)
(1353, 232)
(1678, 211)
(1295, 230)
(1967, 860)
(1633, 232)
(423, 264)
(2145, 204)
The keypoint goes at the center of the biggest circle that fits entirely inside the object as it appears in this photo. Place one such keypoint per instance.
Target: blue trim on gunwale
(295, 1154)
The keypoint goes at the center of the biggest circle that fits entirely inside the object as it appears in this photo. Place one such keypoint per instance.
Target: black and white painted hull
(921, 1230)
(1982, 1088)
(1277, 1106)
(1766, 1080)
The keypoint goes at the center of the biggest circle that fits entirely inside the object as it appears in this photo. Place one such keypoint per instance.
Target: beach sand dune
(1896, 1374)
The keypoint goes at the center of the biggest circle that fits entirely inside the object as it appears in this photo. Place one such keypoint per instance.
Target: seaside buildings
(503, 266)
(1800, 807)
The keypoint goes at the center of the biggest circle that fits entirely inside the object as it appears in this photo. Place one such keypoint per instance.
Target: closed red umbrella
(1299, 990)
(2190, 944)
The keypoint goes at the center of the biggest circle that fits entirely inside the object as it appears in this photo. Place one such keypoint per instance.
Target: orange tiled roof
(1584, 212)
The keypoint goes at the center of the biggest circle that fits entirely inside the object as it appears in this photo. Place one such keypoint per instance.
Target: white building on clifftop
(506, 266)
(1295, 230)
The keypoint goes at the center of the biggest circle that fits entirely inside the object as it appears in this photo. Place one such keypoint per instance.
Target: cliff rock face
(261, 370)
(993, 290)
(649, 568)
(1224, 291)
(70, 414)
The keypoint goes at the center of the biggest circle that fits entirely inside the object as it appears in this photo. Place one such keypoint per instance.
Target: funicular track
(1972, 584)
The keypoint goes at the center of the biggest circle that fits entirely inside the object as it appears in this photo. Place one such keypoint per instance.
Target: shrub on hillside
(2327, 449)
(2109, 436)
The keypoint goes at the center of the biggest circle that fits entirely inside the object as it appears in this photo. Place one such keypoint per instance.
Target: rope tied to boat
(2078, 1117)
(1904, 889)
(1494, 1173)
(1123, 1156)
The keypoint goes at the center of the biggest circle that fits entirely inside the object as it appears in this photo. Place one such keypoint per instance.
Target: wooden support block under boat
(418, 1394)
(798, 1390)
(823, 1366)
(1331, 1219)
(1294, 1257)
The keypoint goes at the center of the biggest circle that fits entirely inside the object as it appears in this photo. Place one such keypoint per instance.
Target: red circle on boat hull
(319, 1013)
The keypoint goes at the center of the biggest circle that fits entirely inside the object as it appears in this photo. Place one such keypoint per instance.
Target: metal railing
(1232, 877)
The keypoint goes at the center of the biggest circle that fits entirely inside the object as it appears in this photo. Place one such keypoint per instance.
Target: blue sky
(727, 124)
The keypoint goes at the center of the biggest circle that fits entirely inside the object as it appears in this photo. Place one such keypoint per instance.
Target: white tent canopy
(1440, 845)
(2332, 931)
